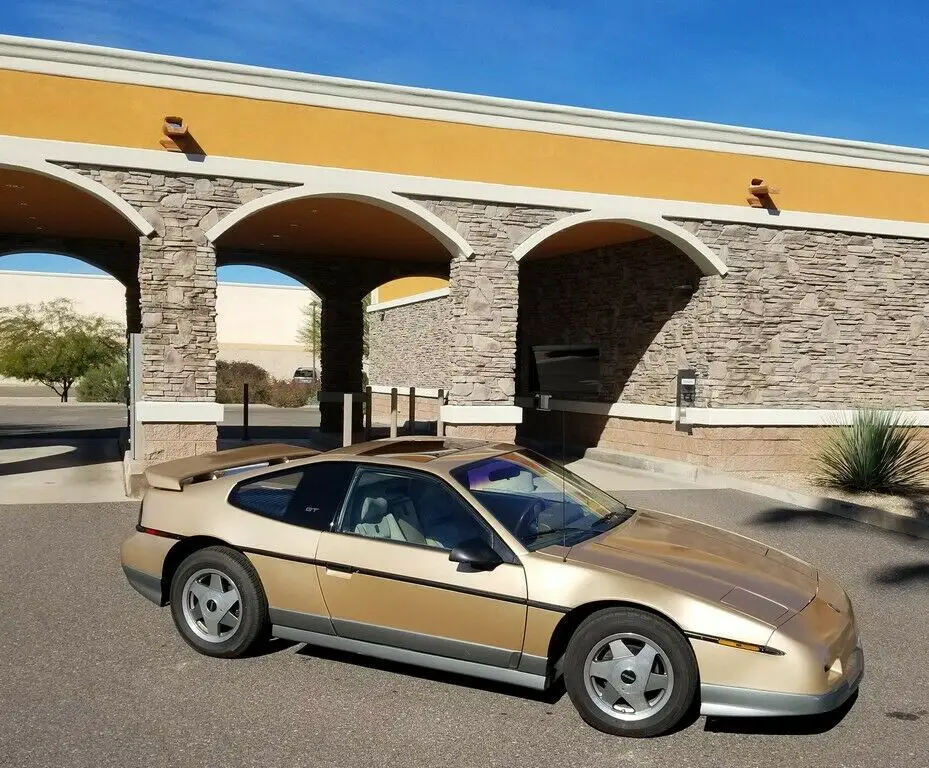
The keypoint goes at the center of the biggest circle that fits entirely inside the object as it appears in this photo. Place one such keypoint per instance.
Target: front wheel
(217, 602)
(630, 673)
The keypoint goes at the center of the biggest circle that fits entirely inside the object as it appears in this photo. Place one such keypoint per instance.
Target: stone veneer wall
(761, 451)
(483, 296)
(804, 319)
(177, 291)
(410, 345)
(628, 300)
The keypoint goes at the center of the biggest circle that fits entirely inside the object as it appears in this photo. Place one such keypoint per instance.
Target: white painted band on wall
(786, 417)
(722, 417)
(383, 389)
(179, 412)
(482, 414)
(438, 293)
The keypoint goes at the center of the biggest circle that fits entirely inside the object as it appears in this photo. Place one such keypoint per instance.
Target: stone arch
(708, 261)
(445, 234)
(93, 188)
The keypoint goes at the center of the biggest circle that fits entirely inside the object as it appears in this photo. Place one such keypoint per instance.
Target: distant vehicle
(489, 560)
(306, 376)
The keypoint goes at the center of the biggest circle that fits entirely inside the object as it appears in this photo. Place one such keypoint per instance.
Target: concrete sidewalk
(43, 471)
(666, 474)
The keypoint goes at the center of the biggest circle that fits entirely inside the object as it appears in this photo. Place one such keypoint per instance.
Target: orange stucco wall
(73, 109)
(409, 286)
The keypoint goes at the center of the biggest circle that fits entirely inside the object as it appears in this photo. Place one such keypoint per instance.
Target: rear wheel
(630, 673)
(217, 602)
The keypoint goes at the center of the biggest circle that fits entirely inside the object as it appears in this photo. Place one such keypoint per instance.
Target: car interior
(412, 510)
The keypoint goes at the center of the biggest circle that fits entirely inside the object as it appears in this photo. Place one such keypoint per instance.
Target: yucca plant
(878, 451)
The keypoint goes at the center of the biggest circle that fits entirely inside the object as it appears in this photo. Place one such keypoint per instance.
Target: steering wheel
(530, 514)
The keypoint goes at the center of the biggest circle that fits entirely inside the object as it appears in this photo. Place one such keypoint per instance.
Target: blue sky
(850, 69)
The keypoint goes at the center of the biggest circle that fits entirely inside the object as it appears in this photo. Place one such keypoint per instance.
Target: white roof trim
(74, 179)
(118, 65)
(362, 192)
(700, 254)
(415, 298)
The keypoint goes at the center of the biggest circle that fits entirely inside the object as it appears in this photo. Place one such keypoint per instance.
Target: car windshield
(305, 373)
(540, 502)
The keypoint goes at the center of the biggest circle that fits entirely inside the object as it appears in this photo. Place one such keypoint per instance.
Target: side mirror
(477, 554)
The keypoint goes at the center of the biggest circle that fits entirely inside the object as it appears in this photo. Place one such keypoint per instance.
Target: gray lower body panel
(417, 657)
(429, 644)
(727, 701)
(146, 584)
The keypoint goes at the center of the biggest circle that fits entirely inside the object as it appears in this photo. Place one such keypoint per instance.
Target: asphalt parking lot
(93, 675)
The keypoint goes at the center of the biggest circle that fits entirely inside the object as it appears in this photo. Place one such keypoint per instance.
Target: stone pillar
(341, 342)
(133, 307)
(483, 303)
(177, 286)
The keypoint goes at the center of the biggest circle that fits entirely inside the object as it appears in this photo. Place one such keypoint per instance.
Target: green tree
(309, 333)
(55, 345)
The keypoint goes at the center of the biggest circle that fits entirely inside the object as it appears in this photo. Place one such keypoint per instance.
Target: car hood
(706, 561)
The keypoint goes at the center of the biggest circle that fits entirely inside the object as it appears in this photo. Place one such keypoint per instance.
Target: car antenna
(564, 495)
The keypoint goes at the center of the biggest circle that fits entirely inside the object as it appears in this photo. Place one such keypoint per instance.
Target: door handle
(339, 571)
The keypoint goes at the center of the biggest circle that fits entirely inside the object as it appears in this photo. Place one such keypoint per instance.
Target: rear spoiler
(174, 475)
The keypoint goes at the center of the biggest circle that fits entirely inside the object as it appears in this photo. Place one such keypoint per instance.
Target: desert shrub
(230, 376)
(878, 451)
(104, 384)
(282, 393)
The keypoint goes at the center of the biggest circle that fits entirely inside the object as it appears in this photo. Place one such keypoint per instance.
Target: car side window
(410, 508)
(309, 496)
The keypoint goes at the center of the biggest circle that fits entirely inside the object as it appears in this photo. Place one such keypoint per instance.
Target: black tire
(665, 636)
(252, 616)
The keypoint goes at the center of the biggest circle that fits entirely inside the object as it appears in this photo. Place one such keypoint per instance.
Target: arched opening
(606, 317)
(409, 314)
(63, 236)
(344, 246)
(266, 325)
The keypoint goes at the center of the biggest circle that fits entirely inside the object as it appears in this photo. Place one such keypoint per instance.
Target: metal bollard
(393, 411)
(245, 411)
(347, 418)
(439, 424)
(411, 421)
(368, 413)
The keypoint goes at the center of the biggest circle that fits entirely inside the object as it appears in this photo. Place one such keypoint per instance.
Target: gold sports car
(486, 559)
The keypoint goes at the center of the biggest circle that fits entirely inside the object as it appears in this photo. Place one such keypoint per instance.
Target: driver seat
(390, 517)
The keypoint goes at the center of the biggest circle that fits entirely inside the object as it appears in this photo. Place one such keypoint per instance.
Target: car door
(386, 576)
(297, 504)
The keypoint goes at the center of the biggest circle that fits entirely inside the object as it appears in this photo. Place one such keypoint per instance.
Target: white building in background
(254, 323)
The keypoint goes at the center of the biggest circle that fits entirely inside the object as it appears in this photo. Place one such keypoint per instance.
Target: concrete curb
(32, 402)
(874, 516)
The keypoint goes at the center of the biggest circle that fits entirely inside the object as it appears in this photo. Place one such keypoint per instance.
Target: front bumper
(728, 701)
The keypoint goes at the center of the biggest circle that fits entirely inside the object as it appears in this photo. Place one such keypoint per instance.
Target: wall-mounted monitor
(570, 369)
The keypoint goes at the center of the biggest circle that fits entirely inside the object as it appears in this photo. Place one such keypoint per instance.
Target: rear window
(309, 496)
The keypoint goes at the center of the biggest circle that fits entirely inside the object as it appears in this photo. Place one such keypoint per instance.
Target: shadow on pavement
(897, 575)
(810, 725)
(782, 515)
(83, 447)
(550, 696)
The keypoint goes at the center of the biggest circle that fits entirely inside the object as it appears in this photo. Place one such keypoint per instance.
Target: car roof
(440, 453)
